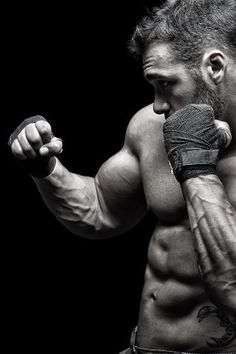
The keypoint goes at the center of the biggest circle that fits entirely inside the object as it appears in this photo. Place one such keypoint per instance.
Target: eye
(163, 83)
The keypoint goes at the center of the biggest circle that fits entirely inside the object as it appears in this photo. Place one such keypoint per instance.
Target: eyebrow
(154, 76)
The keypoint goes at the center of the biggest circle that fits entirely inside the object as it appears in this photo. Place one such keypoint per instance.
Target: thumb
(54, 147)
(225, 136)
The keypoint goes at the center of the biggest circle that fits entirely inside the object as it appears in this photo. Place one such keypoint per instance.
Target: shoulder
(144, 126)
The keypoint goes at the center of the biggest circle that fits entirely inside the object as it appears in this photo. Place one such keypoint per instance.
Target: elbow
(88, 232)
(86, 220)
(79, 229)
(93, 228)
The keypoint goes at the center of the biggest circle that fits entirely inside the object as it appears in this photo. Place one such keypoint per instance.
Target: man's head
(190, 26)
(195, 42)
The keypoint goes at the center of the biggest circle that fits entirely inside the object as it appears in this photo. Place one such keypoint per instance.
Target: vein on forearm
(213, 224)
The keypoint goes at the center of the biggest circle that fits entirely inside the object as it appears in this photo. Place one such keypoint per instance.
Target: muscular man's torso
(176, 313)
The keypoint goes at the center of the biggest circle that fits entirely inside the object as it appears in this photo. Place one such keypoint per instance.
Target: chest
(163, 193)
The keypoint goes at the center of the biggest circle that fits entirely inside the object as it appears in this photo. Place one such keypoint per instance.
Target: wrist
(190, 163)
(204, 189)
(205, 184)
(40, 167)
(196, 171)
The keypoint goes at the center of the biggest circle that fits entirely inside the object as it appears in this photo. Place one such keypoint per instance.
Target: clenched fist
(193, 139)
(35, 146)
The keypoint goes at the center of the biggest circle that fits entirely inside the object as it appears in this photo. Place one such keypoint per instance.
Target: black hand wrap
(192, 141)
(41, 166)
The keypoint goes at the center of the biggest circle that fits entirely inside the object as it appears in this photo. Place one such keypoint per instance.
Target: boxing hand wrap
(41, 166)
(192, 141)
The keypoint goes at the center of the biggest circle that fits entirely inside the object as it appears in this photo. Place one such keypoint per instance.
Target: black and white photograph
(118, 177)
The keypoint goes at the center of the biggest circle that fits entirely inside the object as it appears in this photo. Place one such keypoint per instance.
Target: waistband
(140, 350)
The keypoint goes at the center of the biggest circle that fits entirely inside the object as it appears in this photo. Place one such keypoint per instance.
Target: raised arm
(104, 206)
(213, 223)
(192, 142)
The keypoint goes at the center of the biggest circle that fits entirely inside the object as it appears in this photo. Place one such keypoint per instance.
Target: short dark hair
(189, 26)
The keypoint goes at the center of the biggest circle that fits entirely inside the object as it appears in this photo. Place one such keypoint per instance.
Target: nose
(160, 105)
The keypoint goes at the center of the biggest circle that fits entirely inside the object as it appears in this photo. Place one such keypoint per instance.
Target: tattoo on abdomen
(230, 328)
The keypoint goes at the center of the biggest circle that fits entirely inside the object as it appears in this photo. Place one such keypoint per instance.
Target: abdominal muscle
(176, 313)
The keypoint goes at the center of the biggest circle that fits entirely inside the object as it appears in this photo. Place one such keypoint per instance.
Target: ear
(214, 65)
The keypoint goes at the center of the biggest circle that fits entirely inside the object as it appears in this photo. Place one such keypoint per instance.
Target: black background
(68, 62)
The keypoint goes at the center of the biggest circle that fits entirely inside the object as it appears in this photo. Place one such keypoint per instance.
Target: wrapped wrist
(193, 141)
(40, 167)
(195, 171)
(193, 162)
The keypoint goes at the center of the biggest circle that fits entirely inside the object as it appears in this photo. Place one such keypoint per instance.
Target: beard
(205, 95)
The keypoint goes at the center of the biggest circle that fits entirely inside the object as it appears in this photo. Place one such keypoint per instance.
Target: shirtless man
(178, 162)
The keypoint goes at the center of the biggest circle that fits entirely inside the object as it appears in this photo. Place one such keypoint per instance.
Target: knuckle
(34, 140)
(29, 129)
(57, 141)
(58, 146)
(22, 137)
(43, 127)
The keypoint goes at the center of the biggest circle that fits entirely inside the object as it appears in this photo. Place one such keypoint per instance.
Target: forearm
(213, 224)
(74, 202)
